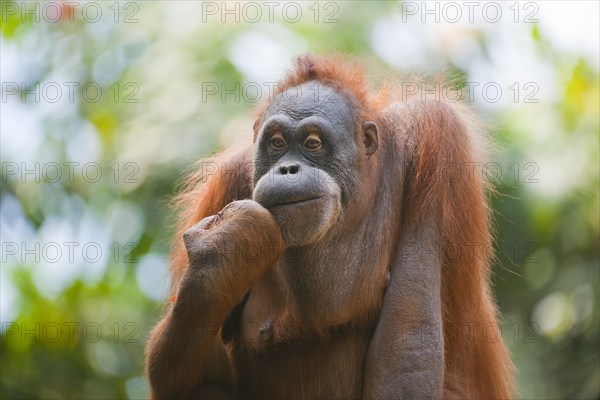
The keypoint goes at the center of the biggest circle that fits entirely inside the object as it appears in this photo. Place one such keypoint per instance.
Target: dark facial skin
(306, 157)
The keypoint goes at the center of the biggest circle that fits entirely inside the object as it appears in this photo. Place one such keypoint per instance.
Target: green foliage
(76, 329)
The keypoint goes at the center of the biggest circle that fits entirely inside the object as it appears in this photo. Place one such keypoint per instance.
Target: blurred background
(106, 104)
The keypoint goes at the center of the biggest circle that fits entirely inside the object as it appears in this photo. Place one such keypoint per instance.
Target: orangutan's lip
(295, 202)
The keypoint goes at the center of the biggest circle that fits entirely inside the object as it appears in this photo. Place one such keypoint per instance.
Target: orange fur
(442, 136)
